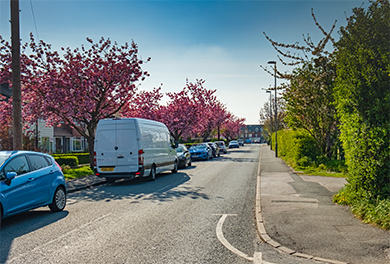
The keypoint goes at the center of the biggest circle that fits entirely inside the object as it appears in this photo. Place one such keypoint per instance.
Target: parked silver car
(222, 146)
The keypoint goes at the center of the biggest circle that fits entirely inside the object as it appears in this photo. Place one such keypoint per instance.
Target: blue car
(201, 151)
(29, 180)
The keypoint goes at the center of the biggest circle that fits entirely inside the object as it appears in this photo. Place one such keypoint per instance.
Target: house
(252, 133)
(49, 139)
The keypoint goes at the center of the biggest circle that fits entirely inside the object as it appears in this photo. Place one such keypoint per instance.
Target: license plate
(107, 169)
(194, 156)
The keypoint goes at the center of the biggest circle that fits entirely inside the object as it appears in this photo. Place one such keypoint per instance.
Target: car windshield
(233, 142)
(4, 156)
(179, 149)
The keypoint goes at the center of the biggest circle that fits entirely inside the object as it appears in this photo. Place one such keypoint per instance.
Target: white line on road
(257, 257)
(225, 242)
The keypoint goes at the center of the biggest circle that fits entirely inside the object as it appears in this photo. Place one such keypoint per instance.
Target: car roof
(15, 152)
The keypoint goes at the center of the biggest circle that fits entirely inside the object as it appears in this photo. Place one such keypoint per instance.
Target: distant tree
(309, 95)
(363, 99)
(267, 115)
(84, 85)
(231, 128)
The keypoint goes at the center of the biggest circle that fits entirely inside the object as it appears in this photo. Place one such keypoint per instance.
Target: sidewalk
(297, 216)
(83, 183)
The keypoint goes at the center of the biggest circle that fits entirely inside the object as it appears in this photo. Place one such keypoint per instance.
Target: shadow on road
(163, 189)
(27, 222)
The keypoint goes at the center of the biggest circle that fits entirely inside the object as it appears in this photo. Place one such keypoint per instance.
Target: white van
(133, 147)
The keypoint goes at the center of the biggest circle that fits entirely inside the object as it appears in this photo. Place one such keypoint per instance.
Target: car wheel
(189, 163)
(59, 200)
(174, 167)
(152, 175)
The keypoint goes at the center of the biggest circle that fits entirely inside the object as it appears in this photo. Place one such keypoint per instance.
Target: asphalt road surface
(202, 214)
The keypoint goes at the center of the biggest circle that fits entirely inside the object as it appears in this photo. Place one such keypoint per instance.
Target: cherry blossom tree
(145, 104)
(232, 126)
(84, 85)
(181, 114)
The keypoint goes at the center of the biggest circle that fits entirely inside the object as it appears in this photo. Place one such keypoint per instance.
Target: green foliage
(77, 172)
(309, 102)
(83, 158)
(298, 147)
(371, 211)
(363, 101)
(71, 161)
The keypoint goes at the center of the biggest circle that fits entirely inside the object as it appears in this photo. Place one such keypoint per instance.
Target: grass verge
(74, 173)
(375, 212)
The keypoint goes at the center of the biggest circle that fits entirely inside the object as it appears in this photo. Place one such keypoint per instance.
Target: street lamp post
(276, 112)
(270, 118)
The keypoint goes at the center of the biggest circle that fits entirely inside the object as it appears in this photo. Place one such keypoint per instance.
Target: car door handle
(120, 157)
(30, 179)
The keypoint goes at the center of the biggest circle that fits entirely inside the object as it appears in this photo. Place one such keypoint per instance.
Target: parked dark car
(233, 144)
(215, 149)
(222, 147)
(201, 151)
(240, 142)
(183, 156)
(29, 180)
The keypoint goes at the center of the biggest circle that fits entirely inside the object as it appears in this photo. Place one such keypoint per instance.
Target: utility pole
(16, 86)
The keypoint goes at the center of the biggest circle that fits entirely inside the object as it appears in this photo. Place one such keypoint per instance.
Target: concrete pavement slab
(298, 213)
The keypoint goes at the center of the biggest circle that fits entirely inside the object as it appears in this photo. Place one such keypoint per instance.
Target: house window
(77, 144)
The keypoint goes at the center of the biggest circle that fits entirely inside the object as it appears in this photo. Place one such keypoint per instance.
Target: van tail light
(94, 159)
(141, 157)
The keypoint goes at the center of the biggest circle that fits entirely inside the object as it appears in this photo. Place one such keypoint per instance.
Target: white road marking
(225, 242)
(257, 257)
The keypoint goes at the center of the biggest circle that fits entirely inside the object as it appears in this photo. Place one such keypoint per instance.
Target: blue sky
(221, 42)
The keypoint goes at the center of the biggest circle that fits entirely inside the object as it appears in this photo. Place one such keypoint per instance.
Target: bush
(71, 161)
(83, 158)
(298, 147)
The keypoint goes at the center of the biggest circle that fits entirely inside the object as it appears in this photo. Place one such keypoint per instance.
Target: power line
(35, 22)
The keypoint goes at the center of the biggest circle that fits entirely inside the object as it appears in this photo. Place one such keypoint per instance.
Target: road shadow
(26, 222)
(162, 189)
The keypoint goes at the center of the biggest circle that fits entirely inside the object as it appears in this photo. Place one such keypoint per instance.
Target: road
(202, 214)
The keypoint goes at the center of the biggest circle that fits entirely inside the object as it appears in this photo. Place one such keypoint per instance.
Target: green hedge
(83, 158)
(297, 147)
(71, 161)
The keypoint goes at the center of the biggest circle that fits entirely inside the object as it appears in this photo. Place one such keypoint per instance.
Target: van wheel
(152, 175)
(174, 167)
(110, 180)
(59, 200)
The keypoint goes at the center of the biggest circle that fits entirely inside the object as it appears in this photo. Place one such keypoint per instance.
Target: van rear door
(117, 147)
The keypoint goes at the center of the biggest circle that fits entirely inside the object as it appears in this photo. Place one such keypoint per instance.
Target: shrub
(298, 147)
(83, 158)
(71, 161)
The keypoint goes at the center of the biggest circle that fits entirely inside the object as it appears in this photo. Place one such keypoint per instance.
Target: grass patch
(74, 173)
(375, 212)
(321, 171)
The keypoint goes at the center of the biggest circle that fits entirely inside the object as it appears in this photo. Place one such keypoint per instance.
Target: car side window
(18, 164)
(37, 162)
